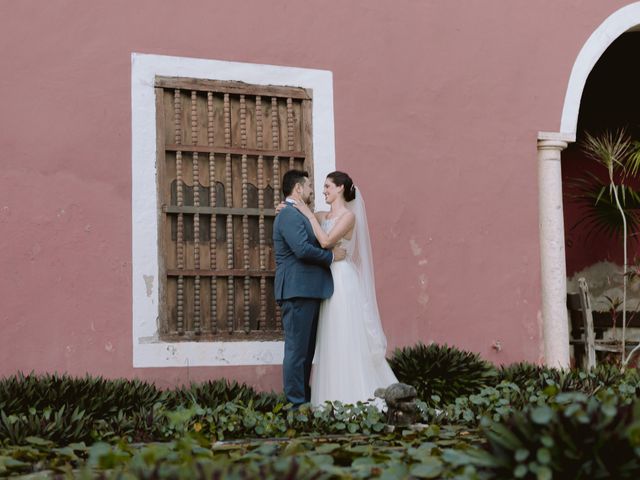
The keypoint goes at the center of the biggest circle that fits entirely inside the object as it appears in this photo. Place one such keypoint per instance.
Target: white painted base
(199, 354)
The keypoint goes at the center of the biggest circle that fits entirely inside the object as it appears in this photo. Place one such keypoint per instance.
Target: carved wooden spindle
(212, 227)
(196, 216)
(245, 218)
(243, 122)
(229, 201)
(177, 116)
(290, 134)
(306, 138)
(177, 104)
(180, 245)
(275, 130)
(262, 320)
(245, 245)
(276, 180)
(275, 140)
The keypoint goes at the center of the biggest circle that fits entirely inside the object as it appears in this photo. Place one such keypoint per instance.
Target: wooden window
(222, 150)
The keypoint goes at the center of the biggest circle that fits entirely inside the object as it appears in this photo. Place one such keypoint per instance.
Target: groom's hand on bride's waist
(338, 254)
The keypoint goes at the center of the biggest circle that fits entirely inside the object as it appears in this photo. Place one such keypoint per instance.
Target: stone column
(552, 253)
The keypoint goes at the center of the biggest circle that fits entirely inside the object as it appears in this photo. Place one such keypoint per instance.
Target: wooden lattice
(222, 150)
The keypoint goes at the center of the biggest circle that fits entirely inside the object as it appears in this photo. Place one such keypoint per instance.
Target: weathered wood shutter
(222, 150)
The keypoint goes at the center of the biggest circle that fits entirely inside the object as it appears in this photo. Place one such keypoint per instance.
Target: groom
(302, 280)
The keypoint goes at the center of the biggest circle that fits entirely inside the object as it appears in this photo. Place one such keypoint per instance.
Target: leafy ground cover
(431, 453)
(478, 421)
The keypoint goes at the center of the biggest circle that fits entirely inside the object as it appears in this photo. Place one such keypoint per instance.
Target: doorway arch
(619, 22)
(551, 220)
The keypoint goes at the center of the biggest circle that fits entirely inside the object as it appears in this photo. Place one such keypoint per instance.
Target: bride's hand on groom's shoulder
(279, 207)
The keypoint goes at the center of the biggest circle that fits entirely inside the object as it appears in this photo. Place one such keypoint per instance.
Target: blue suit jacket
(302, 266)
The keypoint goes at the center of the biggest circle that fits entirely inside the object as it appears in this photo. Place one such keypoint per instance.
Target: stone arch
(619, 22)
(550, 146)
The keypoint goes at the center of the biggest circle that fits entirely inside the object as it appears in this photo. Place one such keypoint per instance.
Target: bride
(349, 363)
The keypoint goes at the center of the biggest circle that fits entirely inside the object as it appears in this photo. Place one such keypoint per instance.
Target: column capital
(554, 140)
(558, 145)
(565, 137)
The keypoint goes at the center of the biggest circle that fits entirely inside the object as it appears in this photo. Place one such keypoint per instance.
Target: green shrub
(234, 420)
(441, 371)
(95, 395)
(64, 409)
(573, 437)
(576, 380)
(603, 376)
(431, 453)
(61, 426)
(494, 402)
(521, 373)
(217, 392)
(457, 387)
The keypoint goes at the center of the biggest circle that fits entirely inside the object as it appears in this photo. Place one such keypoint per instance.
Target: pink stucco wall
(437, 108)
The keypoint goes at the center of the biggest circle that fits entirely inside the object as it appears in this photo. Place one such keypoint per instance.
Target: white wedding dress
(349, 362)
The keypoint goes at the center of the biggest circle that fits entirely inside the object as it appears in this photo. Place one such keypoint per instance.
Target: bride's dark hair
(342, 179)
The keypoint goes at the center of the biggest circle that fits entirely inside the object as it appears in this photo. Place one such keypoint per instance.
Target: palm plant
(600, 214)
(620, 156)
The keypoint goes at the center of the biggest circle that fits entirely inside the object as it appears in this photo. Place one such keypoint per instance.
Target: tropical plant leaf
(633, 165)
(611, 149)
(600, 214)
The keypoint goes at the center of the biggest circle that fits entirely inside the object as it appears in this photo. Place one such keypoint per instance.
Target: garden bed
(521, 421)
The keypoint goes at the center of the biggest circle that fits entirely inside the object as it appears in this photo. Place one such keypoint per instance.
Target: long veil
(363, 260)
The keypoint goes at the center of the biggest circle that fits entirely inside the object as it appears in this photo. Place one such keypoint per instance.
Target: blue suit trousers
(300, 323)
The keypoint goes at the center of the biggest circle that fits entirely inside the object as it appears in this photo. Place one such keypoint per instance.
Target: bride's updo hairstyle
(342, 179)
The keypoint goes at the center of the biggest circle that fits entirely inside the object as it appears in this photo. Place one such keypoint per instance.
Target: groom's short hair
(291, 179)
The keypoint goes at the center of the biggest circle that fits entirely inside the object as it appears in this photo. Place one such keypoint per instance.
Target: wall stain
(415, 248)
(148, 281)
(423, 297)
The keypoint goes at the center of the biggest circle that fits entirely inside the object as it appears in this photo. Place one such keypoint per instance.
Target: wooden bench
(588, 327)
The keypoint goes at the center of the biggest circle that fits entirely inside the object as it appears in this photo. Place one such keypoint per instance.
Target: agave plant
(440, 370)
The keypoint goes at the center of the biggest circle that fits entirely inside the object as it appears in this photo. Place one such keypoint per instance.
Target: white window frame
(148, 349)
